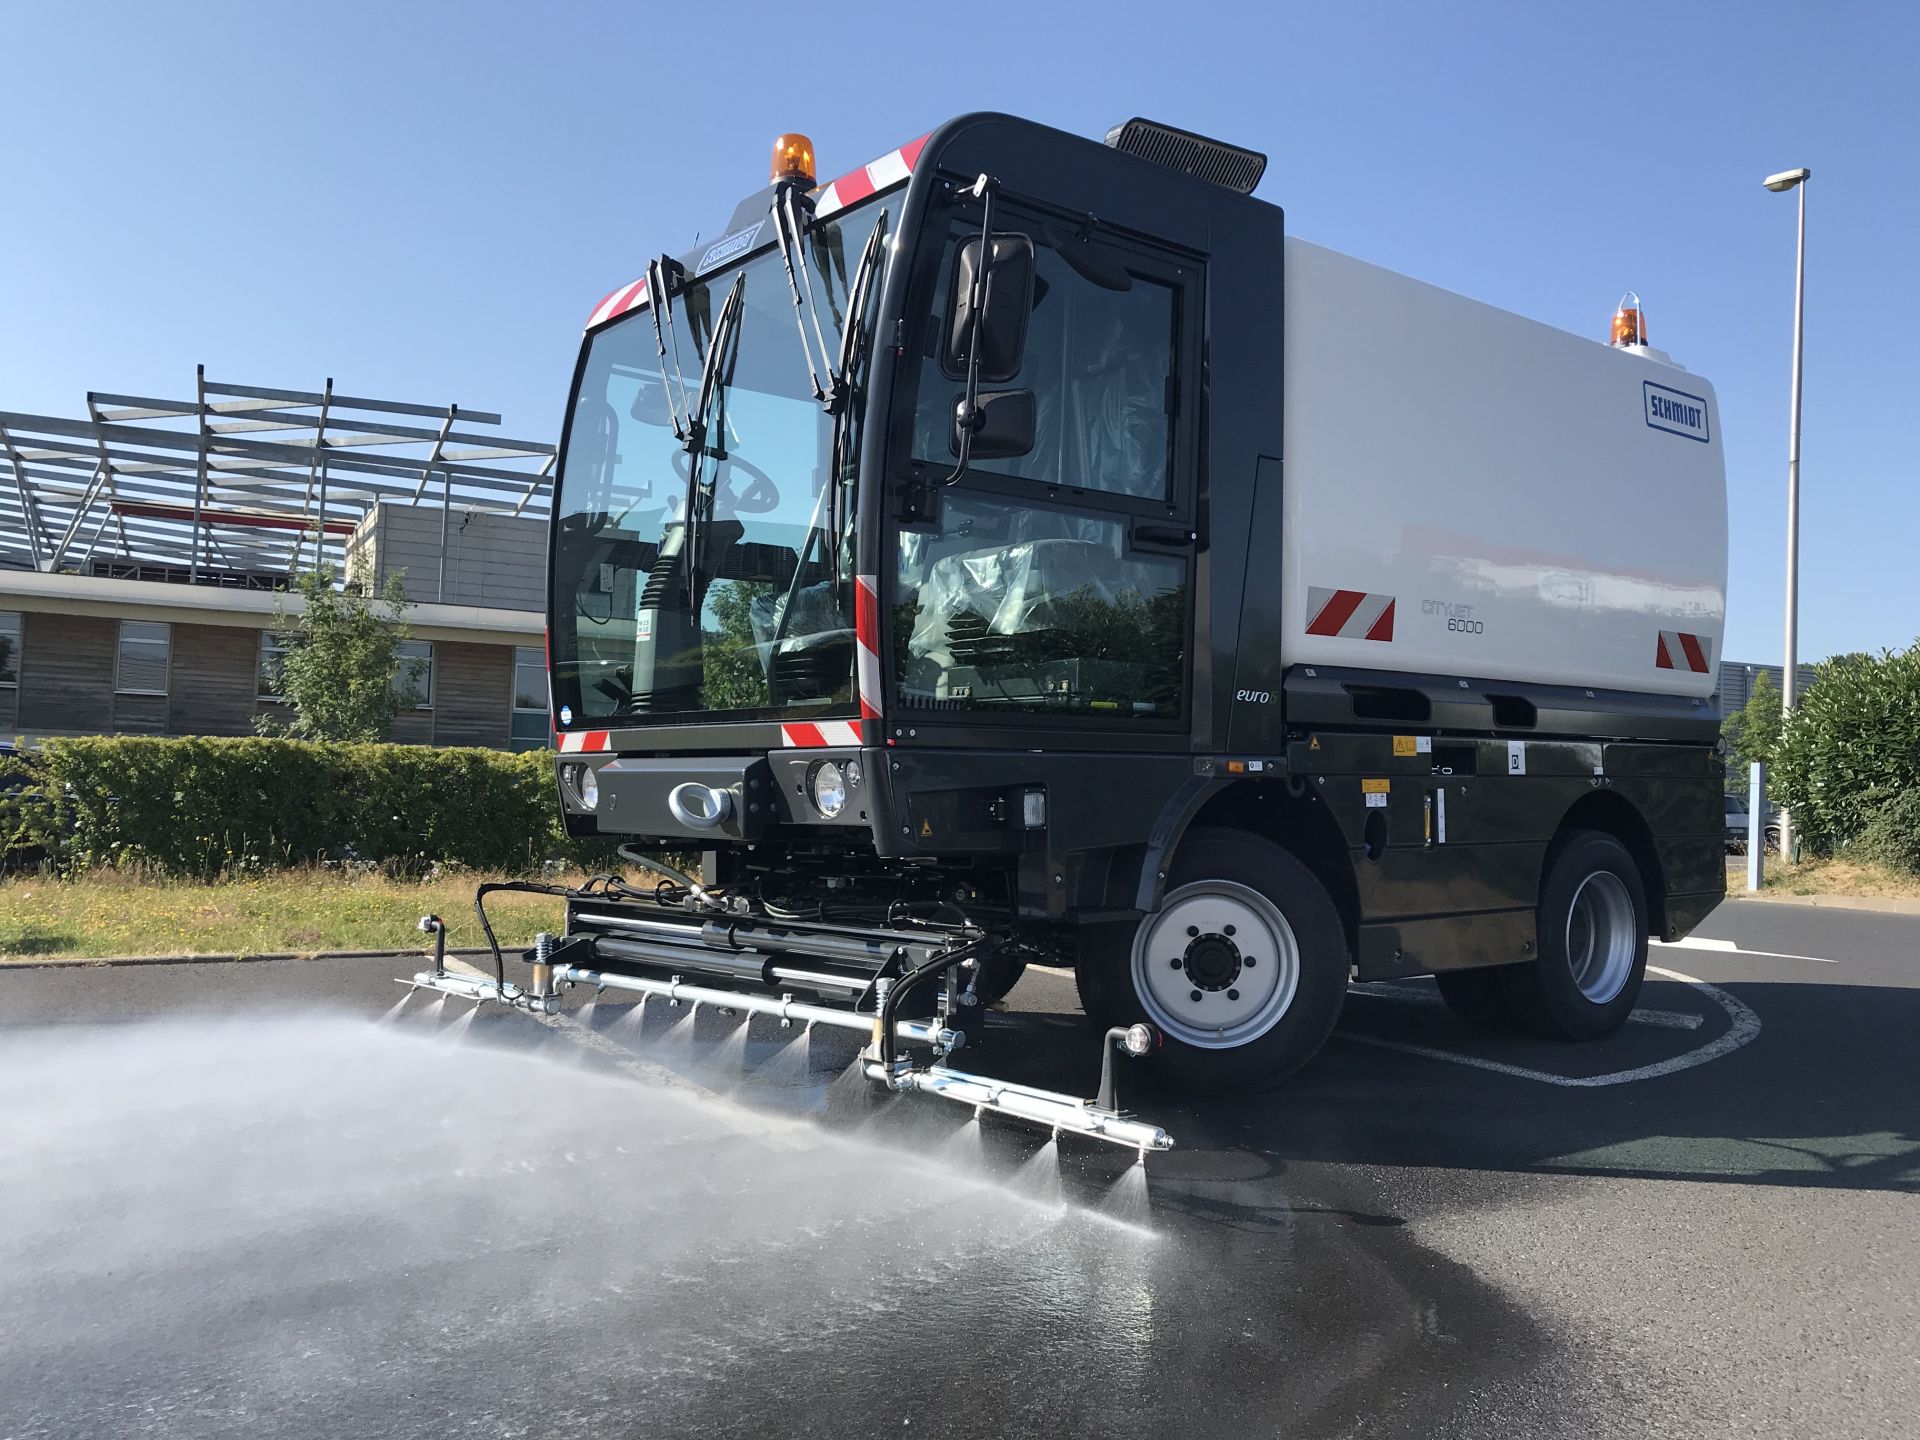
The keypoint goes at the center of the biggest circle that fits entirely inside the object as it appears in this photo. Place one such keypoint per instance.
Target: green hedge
(1891, 834)
(1851, 743)
(205, 807)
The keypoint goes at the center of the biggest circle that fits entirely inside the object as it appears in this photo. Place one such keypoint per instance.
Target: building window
(415, 672)
(9, 647)
(144, 649)
(528, 729)
(273, 650)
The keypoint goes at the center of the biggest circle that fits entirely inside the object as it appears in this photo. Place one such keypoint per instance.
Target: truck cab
(936, 570)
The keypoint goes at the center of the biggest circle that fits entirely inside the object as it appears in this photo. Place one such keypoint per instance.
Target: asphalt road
(298, 1226)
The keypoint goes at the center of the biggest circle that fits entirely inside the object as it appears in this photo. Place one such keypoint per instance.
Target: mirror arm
(968, 418)
(657, 302)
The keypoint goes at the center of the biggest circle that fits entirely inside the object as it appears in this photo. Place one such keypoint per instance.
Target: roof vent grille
(1212, 160)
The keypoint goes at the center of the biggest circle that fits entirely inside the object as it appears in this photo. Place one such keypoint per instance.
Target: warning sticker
(1376, 787)
(1376, 800)
(1412, 744)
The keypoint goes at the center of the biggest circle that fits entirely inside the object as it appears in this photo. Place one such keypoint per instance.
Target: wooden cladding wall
(472, 693)
(66, 672)
(215, 680)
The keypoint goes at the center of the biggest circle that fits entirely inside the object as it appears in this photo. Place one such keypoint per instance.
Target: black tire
(998, 975)
(1478, 997)
(1602, 947)
(1218, 872)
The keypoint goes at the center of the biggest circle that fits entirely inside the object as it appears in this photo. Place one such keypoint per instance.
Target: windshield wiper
(657, 304)
(725, 326)
(827, 525)
(790, 226)
(852, 340)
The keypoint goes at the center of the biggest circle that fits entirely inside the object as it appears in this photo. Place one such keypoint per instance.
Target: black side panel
(1256, 717)
(1320, 695)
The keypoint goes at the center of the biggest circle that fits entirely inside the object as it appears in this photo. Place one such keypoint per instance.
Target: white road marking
(1664, 1019)
(1743, 1026)
(1727, 947)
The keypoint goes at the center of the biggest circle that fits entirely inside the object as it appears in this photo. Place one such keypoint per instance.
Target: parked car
(1737, 817)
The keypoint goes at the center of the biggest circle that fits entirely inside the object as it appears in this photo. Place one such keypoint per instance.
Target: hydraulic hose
(911, 981)
(526, 887)
(679, 877)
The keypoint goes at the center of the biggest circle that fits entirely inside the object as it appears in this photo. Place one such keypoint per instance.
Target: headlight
(587, 786)
(829, 789)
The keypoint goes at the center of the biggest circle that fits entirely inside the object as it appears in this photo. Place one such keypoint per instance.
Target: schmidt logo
(722, 251)
(1675, 411)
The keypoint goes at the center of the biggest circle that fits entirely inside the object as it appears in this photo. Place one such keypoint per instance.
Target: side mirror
(1002, 319)
(1003, 424)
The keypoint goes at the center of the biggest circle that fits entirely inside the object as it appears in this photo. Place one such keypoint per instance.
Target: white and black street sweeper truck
(1022, 549)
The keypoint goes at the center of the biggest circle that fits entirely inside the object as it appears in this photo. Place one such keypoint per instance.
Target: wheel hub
(1217, 966)
(1212, 962)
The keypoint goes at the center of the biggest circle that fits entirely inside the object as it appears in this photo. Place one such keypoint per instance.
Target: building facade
(147, 549)
(86, 655)
(1737, 677)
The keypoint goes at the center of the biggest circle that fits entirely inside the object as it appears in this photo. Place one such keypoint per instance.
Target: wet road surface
(300, 1227)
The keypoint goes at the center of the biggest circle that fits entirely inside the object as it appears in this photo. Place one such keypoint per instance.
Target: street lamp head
(1786, 179)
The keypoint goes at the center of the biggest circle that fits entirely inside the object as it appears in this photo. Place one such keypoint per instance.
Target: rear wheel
(1242, 970)
(1592, 944)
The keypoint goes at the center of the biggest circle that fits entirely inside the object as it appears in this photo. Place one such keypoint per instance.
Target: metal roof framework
(243, 478)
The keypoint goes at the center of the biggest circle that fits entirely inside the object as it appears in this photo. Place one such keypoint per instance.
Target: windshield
(749, 610)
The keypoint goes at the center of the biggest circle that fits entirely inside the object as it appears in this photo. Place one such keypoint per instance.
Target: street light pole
(1793, 180)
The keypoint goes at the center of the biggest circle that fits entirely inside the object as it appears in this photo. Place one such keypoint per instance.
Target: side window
(1009, 607)
(145, 647)
(272, 652)
(9, 647)
(1099, 358)
(414, 673)
(527, 727)
(1052, 583)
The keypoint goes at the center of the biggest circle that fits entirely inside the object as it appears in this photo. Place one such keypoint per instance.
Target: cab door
(1052, 593)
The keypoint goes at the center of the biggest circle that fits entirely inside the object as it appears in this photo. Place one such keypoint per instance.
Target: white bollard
(1756, 824)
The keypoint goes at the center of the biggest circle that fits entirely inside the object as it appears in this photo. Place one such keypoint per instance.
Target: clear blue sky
(425, 201)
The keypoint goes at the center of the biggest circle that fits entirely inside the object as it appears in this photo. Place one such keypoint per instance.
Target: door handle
(1163, 537)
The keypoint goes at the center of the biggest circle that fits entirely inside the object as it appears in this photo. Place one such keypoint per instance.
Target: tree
(340, 660)
(1752, 732)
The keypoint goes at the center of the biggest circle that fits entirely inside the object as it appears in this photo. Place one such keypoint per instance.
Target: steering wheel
(756, 497)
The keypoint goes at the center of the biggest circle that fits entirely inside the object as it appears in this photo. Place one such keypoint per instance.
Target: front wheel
(1242, 970)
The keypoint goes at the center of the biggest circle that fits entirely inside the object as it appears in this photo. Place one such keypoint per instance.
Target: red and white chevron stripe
(572, 741)
(1349, 614)
(866, 634)
(1678, 650)
(850, 189)
(818, 733)
(618, 303)
(890, 169)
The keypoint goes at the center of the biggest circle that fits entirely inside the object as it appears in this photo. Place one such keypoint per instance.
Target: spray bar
(1058, 1111)
(1040, 1107)
(482, 987)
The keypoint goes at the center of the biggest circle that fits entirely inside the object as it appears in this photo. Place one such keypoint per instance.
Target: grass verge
(1826, 877)
(301, 911)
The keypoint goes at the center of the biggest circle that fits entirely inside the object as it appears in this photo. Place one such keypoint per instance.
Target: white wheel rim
(1601, 939)
(1217, 966)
